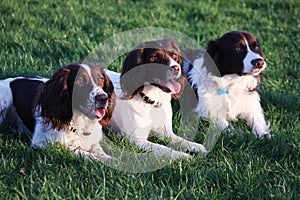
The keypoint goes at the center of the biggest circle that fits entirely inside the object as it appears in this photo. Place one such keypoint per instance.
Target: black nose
(258, 63)
(101, 98)
(175, 69)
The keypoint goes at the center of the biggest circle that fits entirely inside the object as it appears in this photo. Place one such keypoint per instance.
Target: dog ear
(133, 59)
(212, 57)
(54, 99)
(213, 49)
(131, 81)
(109, 89)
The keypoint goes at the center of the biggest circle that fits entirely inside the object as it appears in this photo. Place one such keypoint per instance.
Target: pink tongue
(100, 112)
(172, 85)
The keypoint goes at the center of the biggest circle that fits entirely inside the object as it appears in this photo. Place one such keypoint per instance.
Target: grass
(37, 37)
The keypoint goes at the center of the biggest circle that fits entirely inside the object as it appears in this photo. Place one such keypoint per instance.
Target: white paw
(263, 131)
(106, 158)
(222, 123)
(103, 157)
(198, 148)
(263, 135)
(178, 154)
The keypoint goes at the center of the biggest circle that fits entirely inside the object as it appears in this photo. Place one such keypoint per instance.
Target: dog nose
(258, 63)
(175, 69)
(101, 98)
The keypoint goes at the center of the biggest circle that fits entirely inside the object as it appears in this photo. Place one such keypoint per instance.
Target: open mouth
(169, 86)
(99, 113)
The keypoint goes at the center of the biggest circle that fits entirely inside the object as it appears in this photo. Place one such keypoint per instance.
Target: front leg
(255, 119)
(158, 149)
(96, 153)
(178, 142)
(260, 127)
(101, 155)
(185, 145)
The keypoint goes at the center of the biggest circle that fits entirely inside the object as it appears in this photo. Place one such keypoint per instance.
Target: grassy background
(37, 37)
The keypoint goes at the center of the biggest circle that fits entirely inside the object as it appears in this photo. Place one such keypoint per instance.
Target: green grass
(36, 38)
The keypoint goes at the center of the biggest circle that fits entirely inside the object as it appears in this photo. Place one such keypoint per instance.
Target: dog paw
(103, 157)
(263, 135)
(262, 131)
(198, 148)
(106, 158)
(178, 154)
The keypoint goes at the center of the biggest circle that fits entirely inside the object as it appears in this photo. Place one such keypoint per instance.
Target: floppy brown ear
(131, 81)
(213, 49)
(213, 57)
(133, 59)
(55, 99)
(109, 89)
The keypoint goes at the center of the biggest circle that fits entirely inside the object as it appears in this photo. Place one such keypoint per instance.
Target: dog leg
(158, 149)
(256, 120)
(97, 149)
(259, 126)
(181, 143)
(96, 153)
(5, 101)
(254, 114)
(221, 122)
(184, 144)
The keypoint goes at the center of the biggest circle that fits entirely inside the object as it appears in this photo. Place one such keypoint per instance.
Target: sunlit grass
(36, 37)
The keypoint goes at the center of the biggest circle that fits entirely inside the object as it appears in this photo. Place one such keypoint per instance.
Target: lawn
(39, 36)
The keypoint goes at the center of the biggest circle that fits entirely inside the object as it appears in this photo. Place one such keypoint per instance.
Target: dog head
(156, 62)
(237, 52)
(84, 87)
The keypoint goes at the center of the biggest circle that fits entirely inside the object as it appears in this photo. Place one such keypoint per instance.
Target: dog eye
(100, 80)
(256, 48)
(238, 48)
(81, 82)
(154, 58)
(174, 56)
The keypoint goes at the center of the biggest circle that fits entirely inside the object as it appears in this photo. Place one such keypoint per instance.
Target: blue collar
(222, 91)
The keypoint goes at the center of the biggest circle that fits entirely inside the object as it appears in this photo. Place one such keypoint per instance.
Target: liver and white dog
(151, 75)
(70, 108)
(226, 78)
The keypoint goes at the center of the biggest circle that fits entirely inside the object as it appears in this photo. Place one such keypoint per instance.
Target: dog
(226, 77)
(151, 75)
(70, 108)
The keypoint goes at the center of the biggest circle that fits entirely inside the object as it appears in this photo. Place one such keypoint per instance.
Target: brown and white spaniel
(226, 77)
(70, 108)
(151, 75)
